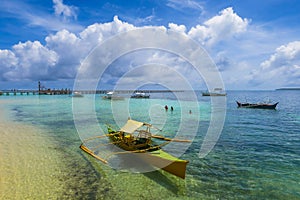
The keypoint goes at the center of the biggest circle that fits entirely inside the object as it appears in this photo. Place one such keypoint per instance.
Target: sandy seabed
(29, 163)
(33, 166)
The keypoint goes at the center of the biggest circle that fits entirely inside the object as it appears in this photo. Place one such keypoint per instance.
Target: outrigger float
(135, 137)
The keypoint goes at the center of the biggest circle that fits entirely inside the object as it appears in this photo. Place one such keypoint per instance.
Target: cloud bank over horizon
(61, 53)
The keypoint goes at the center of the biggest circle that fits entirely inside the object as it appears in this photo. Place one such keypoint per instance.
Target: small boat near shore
(215, 92)
(136, 139)
(140, 95)
(77, 94)
(257, 105)
(112, 96)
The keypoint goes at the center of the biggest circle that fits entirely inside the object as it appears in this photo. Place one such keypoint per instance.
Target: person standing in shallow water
(172, 108)
(166, 108)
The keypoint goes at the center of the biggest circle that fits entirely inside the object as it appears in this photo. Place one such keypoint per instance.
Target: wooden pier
(46, 91)
(69, 92)
(35, 92)
(41, 91)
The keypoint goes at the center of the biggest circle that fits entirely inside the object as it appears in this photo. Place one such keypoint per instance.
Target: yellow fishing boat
(135, 137)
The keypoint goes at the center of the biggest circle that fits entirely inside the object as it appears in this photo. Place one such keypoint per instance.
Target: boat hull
(142, 146)
(152, 155)
(166, 162)
(215, 92)
(258, 106)
(212, 94)
(140, 97)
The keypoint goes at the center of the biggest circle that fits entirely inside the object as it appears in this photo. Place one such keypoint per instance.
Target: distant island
(288, 89)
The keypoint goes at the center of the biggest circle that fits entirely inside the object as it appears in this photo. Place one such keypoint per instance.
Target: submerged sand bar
(29, 163)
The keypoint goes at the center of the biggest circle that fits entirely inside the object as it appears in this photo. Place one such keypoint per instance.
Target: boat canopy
(131, 126)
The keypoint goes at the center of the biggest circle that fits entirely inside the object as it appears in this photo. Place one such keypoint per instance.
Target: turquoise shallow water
(256, 157)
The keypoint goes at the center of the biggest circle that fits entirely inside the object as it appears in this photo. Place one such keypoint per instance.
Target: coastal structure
(42, 90)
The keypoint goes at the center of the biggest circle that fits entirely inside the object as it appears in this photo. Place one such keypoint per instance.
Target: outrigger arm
(87, 150)
(169, 139)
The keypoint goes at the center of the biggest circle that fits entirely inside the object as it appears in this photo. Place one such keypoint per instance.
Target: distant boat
(112, 96)
(215, 92)
(140, 95)
(77, 94)
(257, 105)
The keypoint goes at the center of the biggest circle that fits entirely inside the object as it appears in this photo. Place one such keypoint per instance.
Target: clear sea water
(256, 157)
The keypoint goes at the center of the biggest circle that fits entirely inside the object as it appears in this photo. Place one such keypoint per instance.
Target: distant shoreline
(288, 89)
(69, 91)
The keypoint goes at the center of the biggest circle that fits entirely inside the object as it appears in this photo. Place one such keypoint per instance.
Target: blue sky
(255, 44)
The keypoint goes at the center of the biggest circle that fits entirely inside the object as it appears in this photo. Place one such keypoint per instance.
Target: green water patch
(79, 178)
(83, 176)
(256, 156)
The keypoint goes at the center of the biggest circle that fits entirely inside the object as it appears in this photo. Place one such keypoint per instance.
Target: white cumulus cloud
(64, 51)
(63, 10)
(284, 55)
(33, 61)
(178, 28)
(96, 33)
(8, 62)
(221, 27)
(282, 66)
(7, 58)
(68, 46)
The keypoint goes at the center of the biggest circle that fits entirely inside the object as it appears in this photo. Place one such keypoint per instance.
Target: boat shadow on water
(167, 182)
(132, 163)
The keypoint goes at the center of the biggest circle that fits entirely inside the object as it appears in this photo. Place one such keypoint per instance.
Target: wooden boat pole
(156, 128)
(87, 150)
(169, 139)
(178, 140)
